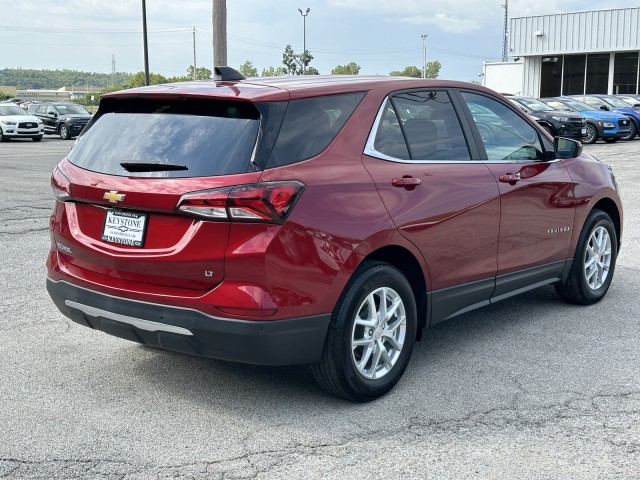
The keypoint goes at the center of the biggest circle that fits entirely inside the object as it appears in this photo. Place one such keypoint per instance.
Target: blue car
(609, 126)
(608, 103)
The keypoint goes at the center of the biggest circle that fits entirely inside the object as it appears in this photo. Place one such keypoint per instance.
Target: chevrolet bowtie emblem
(113, 196)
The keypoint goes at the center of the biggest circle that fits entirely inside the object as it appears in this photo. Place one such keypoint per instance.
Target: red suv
(321, 220)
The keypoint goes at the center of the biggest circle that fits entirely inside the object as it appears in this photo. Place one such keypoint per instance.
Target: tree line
(292, 64)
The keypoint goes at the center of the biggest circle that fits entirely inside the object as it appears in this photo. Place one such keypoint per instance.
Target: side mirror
(566, 147)
(604, 107)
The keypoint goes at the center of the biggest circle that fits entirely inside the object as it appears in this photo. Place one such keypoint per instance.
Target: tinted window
(389, 139)
(209, 138)
(427, 122)
(505, 135)
(310, 125)
(71, 109)
(11, 110)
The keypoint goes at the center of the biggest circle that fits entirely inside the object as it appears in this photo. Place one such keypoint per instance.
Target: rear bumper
(277, 342)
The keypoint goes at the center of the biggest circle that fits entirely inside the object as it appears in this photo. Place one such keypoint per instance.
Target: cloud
(448, 23)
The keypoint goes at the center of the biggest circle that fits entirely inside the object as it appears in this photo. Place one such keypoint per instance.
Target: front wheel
(37, 139)
(592, 134)
(371, 334)
(632, 132)
(593, 262)
(65, 134)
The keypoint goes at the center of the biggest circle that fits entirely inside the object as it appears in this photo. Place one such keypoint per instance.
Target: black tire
(64, 132)
(37, 139)
(632, 132)
(592, 134)
(2, 137)
(337, 371)
(610, 140)
(580, 287)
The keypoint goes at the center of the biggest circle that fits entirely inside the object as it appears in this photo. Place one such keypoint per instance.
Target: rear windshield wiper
(151, 166)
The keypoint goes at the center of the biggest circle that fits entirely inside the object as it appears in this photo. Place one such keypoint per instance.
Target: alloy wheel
(378, 334)
(597, 258)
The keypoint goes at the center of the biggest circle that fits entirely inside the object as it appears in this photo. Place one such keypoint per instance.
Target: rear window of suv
(208, 137)
(205, 137)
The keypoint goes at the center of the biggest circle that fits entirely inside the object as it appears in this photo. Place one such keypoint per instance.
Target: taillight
(268, 202)
(60, 185)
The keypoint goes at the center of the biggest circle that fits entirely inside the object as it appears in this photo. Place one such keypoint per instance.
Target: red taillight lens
(60, 185)
(268, 202)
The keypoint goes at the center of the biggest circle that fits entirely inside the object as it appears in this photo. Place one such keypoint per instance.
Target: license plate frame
(124, 227)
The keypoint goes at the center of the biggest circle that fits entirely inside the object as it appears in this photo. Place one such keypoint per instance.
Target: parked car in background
(559, 123)
(16, 123)
(611, 103)
(65, 119)
(633, 100)
(609, 126)
(319, 219)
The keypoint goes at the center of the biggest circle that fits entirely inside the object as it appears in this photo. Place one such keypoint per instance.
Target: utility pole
(424, 55)
(304, 39)
(194, 53)
(505, 31)
(146, 46)
(219, 18)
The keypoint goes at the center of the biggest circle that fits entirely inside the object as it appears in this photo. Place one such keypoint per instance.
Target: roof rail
(226, 74)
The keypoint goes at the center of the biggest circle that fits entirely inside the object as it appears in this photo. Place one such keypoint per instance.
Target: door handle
(407, 182)
(509, 178)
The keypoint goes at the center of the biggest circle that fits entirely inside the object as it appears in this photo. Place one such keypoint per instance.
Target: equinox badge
(113, 196)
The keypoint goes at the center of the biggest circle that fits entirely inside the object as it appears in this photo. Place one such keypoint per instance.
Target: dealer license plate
(126, 228)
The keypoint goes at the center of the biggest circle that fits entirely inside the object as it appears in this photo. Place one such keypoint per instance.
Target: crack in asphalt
(255, 463)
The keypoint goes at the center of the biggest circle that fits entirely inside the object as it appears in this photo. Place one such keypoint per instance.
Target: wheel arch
(402, 259)
(608, 206)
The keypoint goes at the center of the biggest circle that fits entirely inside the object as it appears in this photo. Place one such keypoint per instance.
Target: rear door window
(420, 126)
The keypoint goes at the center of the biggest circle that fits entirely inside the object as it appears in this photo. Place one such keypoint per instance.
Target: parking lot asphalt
(530, 388)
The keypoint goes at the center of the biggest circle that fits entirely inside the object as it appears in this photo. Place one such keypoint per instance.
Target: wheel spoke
(392, 341)
(365, 358)
(378, 339)
(361, 343)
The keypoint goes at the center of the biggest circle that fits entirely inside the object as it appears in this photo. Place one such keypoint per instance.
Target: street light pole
(424, 55)
(304, 38)
(146, 47)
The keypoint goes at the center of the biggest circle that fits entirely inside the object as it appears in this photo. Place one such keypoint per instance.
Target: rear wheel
(592, 134)
(632, 132)
(593, 262)
(371, 335)
(610, 140)
(65, 134)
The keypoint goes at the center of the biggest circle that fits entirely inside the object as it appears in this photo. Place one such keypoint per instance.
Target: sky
(379, 35)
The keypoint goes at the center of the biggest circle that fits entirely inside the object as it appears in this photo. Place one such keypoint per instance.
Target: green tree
(349, 69)
(432, 70)
(411, 71)
(296, 63)
(248, 70)
(274, 72)
(137, 80)
(202, 73)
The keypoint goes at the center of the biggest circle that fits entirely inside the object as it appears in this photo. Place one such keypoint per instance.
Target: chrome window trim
(370, 150)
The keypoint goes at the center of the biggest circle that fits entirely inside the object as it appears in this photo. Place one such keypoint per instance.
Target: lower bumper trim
(261, 342)
(136, 322)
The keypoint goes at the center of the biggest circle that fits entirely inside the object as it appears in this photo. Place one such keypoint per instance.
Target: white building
(571, 53)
